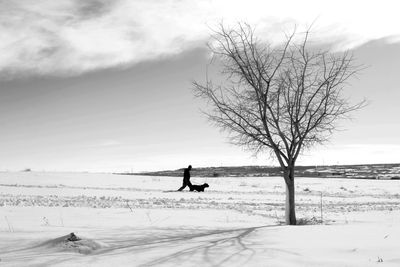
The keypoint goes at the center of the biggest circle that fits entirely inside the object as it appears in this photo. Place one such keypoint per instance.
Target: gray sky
(107, 87)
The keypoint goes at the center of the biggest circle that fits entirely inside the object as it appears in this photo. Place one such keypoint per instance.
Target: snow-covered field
(143, 221)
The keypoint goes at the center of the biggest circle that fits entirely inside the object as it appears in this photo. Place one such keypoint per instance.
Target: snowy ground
(142, 221)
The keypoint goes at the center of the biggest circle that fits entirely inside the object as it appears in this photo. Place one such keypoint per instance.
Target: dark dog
(198, 188)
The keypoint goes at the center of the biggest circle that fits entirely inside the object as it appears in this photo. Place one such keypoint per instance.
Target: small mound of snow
(74, 243)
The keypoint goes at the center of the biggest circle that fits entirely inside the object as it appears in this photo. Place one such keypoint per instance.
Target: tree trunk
(290, 214)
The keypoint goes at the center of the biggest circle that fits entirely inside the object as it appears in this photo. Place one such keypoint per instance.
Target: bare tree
(280, 98)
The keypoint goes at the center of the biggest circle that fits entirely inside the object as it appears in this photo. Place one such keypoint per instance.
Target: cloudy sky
(106, 85)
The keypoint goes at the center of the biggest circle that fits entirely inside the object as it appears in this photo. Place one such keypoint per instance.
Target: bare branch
(283, 98)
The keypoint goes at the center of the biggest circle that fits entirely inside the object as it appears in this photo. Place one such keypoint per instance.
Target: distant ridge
(359, 171)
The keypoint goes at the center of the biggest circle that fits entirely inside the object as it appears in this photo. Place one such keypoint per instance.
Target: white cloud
(73, 36)
(109, 143)
(104, 143)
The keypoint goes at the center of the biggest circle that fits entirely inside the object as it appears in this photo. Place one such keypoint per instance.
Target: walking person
(186, 178)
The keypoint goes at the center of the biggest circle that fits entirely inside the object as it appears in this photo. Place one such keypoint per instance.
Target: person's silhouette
(186, 178)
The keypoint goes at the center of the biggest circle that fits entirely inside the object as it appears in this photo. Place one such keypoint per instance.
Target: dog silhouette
(199, 188)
